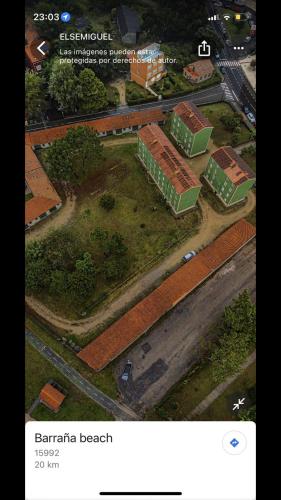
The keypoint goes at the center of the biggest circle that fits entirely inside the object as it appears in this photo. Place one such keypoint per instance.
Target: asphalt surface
(120, 412)
(169, 350)
(205, 96)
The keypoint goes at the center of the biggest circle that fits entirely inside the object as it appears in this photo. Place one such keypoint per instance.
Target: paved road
(120, 412)
(169, 350)
(220, 389)
(206, 96)
(234, 75)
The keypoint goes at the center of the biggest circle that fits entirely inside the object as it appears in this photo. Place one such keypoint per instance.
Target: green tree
(82, 281)
(99, 234)
(92, 92)
(35, 102)
(231, 122)
(64, 85)
(115, 268)
(107, 201)
(237, 337)
(115, 245)
(73, 157)
(58, 282)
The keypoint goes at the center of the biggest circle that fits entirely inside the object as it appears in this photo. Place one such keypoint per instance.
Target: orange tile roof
(51, 396)
(123, 332)
(233, 165)
(191, 116)
(45, 196)
(101, 125)
(200, 68)
(173, 165)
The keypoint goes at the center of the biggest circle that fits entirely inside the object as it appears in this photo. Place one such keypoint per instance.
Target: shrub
(107, 201)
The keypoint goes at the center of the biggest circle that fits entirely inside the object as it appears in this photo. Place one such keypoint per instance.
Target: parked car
(251, 118)
(248, 38)
(223, 70)
(228, 42)
(217, 56)
(246, 110)
(126, 372)
(189, 256)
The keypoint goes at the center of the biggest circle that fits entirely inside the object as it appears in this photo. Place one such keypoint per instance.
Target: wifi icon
(226, 17)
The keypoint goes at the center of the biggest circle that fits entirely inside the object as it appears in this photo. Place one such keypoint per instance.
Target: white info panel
(140, 460)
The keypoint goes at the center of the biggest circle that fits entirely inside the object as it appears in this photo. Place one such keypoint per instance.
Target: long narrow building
(118, 124)
(173, 176)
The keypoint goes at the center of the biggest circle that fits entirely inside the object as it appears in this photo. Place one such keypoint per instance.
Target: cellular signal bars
(214, 18)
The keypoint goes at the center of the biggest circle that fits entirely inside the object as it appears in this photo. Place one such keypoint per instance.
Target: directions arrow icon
(40, 48)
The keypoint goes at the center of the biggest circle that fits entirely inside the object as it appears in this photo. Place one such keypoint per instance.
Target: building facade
(190, 128)
(229, 176)
(171, 173)
(147, 65)
(199, 71)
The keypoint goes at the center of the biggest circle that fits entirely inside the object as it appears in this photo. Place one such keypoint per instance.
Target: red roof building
(51, 397)
(199, 71)
(115, 124)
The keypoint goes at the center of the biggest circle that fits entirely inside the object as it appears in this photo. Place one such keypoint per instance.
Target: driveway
(168, 351)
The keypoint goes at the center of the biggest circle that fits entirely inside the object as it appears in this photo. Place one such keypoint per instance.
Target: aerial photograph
(140, 210)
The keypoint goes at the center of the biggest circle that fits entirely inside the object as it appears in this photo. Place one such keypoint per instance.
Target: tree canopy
(92, 92)
(236, 337)
(35, 102)
(74, 156)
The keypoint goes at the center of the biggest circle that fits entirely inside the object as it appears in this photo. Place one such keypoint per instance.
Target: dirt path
(240, 148)
(212, 225)
(55, 221)
(220, 389)
(121, 87)
(121, 141)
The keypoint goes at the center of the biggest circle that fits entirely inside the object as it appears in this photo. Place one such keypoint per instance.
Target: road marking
(229, 63)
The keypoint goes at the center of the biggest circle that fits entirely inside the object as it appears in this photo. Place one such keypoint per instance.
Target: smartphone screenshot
(140, 249)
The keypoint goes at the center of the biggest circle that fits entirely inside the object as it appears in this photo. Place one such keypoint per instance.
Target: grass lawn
(176, 83)
(250, 157)
(191, 390)
(103, 380)
(137, 94)
(185, 395)
(221, 407)
(76, 406)
(221, 136)
(112, 95)
(237, 30)
(140, 215)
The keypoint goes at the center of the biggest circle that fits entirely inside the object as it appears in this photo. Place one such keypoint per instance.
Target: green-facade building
(229, 175)
(173, 176)
(190, 128)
